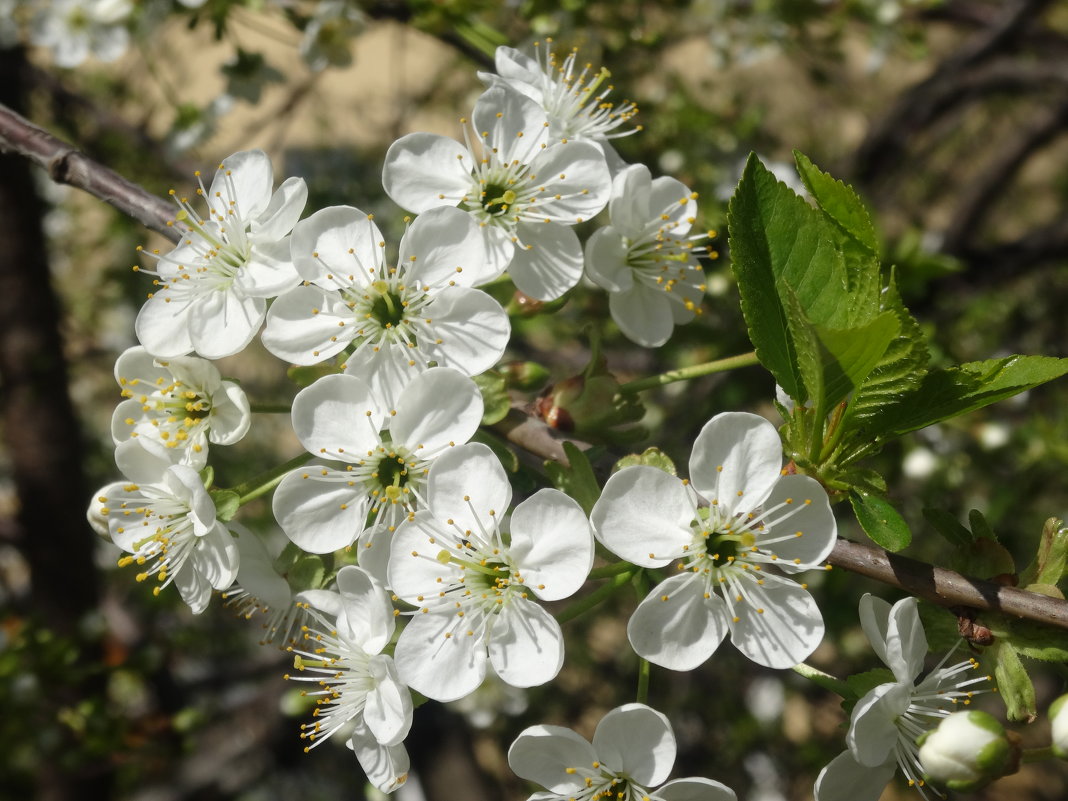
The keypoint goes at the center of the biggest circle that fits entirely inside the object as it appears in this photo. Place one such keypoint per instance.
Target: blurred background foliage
(949, 117)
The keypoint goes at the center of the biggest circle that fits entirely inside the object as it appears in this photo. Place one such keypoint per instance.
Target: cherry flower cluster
(418, 515)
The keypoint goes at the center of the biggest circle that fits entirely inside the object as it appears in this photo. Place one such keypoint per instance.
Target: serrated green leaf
(776, 238)
(226, 503)
(650, 457)
(880, 520)
(1050, 559)
(1014, 685)
(898, 372)
(839, 202)
(948, 393)
(578, 480)
(1037, 641)
(495, 399)
(949, 527)
(850, 355)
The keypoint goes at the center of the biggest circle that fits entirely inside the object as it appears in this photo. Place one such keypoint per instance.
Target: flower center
(497, 199)
(387, 306)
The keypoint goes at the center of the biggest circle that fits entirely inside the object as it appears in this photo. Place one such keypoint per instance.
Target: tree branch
(66, 165)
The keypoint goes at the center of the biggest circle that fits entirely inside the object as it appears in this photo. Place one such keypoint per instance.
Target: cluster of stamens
(177, 411)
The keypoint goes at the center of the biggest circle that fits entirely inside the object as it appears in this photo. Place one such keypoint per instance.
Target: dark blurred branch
(66, 165)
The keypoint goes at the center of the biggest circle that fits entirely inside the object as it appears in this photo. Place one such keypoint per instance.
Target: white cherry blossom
(399, 319)
(358, 687)
(575, 101)
(473, 584)
(632, 753)
(737, 516)
(374, 479)
(885, 723)
(78, 29)
(645, 257)
(182, 403)
(523, 187)
(164, 518)
(212, 288)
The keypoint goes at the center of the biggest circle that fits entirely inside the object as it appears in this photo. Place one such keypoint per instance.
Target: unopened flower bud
(524, 375)
(1058, 718)
(587, 404)
(967, 750)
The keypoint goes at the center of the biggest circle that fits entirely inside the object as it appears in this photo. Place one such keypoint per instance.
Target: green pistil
(387, 308)
(497, 199)
(392, 472)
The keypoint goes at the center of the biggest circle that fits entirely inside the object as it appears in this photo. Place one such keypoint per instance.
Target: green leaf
(1048, 565)
(948, 393)
(578, 480)
(307, 573)
(940, 625)
(949, 527)
(880, 520)
(495, 398)
(840, 203)
(864, 683)
(509, 458)
(898, 372)
(1014, 685)
(650, 457)
(776, 237)
(226, 503)
(980, 527)
(849, 355)
(984, 558)
(307, 375)
(1037, 641)
(207, 476)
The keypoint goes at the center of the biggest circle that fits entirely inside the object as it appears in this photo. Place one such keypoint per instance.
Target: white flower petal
(473, 329)
(681, 632)
(580, 180)
(386, 766)
(308, 325)
(629, 208)
(526, 646)
(321, 246)
(643, 314)
(338, 417)
(269, 270)
(896, 635)
(367, 615)
(637, 740)
(695, 789)
(845, 779)
(466, 483)
(422, 171)
(216, 557)
(242, 185)
(552, 544)
(515, 124)
(444, 246)
(282, 212)
(543, 754)
(644, 515)
(193, 587)
(439, 408)
(606, 260)
(388, 707)
(440, 667)
(873, 732)
(548, 262)
(413, 562)
(231, 415)
(223, 323)
(736, 460)
(804, 528)
(388, 369)
(163, 328)
(779, 623)
(318, 514)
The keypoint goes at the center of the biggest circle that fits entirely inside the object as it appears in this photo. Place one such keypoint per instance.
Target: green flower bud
(967, 750)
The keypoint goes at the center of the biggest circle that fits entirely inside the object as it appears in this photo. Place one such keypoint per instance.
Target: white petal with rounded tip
(472, 327)
(786, 632)
(216, 557)
(386, 766)
(543, 754)
(223, 323)
(643, 314)
(439, 667)
(338, 417)
(317, 514)
(440, 407)
(576, 172)
(143, 461)
(681, 632)
(163, 328)
(388, 706)
(514, 122)
(552, 544)
(695, 789)
(548, 260)
(423, 171)
(282, 212)
(748, 449)
(525, 644)
(193, 587)
(373, 553)
(644, 516)
(629, 207)
(637, 740)
(444, 246)
(321, 246)
(896, 634)
(803, 529)
(231, 415)
(307, 325)
(367, 616)
(388, 369)
(672, 205)
(269, 270)
(606, 260)
(872, 732)
(845, 779)
(137, 362)
(469, 471)
(518, 70)
(414, 569)
(243, 184)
